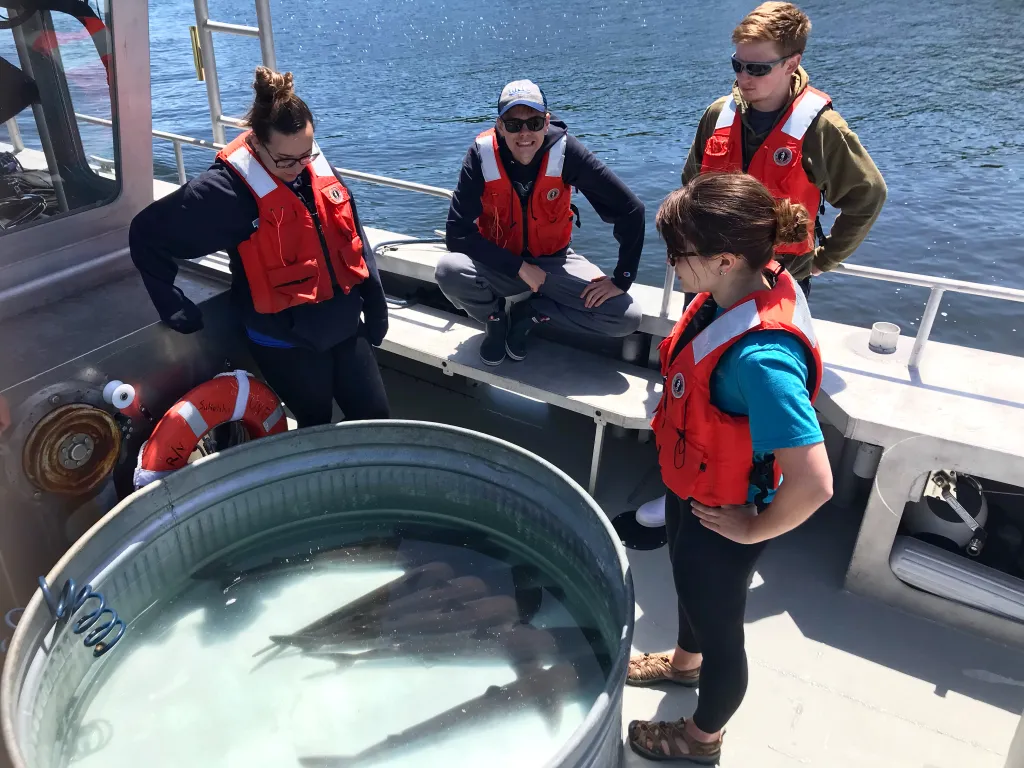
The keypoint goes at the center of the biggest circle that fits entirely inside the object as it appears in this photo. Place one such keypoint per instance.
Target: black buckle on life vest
(819, 231)
(576, 212)
(762, 477)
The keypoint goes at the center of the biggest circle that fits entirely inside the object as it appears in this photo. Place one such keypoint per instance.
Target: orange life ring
(236, 396)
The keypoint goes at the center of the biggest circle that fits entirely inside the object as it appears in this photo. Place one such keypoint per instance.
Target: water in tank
(399, 638)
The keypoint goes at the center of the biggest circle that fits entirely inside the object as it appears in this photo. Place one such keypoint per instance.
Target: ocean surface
(401, 87)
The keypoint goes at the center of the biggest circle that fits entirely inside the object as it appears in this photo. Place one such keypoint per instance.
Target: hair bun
(271, 86)
(791, 222)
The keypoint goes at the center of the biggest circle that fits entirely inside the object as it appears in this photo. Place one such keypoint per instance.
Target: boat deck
(836, 680)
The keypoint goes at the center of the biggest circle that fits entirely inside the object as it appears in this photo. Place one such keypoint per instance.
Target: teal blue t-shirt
(763, 376)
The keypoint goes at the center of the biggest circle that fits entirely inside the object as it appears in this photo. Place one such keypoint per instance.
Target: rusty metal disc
(72, 450)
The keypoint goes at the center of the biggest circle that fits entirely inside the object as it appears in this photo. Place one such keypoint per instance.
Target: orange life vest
(705, 453)
(284, 260)
(549, 213)
(777, 163)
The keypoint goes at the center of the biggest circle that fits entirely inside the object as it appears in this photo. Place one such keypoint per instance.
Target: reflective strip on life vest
(321, 166)
(725, 328)
(193, 418)
(250, 169)
(802, 318)
(803, 114)
(727, 115)
(556, 158)
(488, 159)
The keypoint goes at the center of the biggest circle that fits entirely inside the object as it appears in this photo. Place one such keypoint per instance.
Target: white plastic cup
(883, 338)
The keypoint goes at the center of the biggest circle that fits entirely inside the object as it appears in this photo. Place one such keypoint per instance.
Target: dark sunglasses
(756, 68)
(515, 125)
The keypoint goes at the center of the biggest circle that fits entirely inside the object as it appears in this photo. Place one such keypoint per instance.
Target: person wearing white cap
(510, 227)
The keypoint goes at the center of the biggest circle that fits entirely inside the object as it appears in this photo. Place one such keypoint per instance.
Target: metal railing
(264, 31)
(15, 135)
(938, 286)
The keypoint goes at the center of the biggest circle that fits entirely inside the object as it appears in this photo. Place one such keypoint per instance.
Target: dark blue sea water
(401, 87)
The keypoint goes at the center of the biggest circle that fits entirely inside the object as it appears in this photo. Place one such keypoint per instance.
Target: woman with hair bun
(741, 369)
(304, 282)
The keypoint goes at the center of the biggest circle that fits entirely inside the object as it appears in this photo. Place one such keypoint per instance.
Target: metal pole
(15, 134)
(266, 28)
(670, 282)
(42, 128)
(182, 178)
(209, 69)
(931, 309)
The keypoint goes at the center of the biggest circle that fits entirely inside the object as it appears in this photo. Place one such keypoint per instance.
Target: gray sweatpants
(477, 289)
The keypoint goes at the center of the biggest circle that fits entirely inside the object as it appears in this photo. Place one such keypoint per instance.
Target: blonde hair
(781, 23)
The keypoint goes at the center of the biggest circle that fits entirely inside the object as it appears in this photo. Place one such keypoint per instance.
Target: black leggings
(308, 381)
(712, 575)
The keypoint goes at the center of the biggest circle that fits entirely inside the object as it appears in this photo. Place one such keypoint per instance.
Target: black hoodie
(611, 198)
(216, 212)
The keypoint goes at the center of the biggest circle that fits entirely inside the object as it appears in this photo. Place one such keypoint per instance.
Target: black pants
(308, 381)
(711, 575)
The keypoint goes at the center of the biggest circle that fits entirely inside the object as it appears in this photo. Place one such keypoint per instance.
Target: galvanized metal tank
(145, 548)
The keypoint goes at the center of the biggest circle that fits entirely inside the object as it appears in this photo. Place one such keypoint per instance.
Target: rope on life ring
(235, 396)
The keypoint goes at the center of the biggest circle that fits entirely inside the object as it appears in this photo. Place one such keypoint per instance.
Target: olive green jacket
(835, 162)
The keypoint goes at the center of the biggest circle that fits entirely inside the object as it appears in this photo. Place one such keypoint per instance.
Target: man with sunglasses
(785, 133)
(510, 225)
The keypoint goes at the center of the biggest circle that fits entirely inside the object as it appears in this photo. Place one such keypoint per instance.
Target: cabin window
(58, 117)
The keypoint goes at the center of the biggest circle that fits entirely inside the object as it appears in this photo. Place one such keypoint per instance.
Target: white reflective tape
(321, 166)
(249, 168)
(725, 328)
(194, 418)
(488, 159)
(802, 317)
(242, 398)
(803, 114)
(273, 418)
(727, 115)
(556, 158)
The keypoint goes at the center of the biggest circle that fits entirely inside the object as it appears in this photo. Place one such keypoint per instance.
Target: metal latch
(942, 485)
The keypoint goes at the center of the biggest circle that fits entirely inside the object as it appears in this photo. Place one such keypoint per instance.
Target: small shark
(543, 688)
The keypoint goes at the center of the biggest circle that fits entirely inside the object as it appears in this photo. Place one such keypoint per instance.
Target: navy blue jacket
(611, 198)
(216, 212)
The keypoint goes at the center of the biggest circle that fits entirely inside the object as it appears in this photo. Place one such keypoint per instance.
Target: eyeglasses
(674, 257)
(756, 68)
(515, 125)
(291, 162)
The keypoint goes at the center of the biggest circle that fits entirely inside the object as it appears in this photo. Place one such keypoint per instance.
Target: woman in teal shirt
(720, 231)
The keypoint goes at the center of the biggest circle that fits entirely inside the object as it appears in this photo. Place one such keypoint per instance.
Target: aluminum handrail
(937, 286)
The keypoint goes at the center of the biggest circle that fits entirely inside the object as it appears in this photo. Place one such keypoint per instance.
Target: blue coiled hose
(68, 603)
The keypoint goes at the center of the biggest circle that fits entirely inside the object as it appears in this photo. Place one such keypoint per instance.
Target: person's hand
(533, 276)
(376, 329)
(599, 291)
(737, 523)
(815, 272)
(188, 319)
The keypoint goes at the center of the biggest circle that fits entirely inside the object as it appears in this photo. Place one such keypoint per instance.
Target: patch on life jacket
(553, 194)
(782, 156)
(678, 385)
(335, 194)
